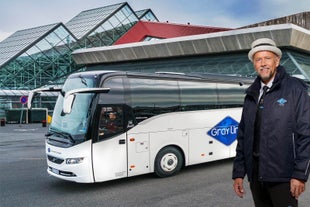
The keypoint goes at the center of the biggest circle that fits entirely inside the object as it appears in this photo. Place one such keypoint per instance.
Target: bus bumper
(72, 164)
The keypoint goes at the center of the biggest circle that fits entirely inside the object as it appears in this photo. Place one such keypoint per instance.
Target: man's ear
(277, 59)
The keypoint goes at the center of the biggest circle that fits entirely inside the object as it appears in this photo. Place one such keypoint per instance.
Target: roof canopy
(285, 35)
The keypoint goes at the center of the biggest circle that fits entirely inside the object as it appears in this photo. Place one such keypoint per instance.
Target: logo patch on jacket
(281, 101)
(225, 131)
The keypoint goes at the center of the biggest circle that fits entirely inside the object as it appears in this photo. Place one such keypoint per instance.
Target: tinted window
(198, 95)
(116, 93)
(151, 97)
(230, 95)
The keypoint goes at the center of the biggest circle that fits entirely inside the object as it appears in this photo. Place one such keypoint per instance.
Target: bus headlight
(70, 161)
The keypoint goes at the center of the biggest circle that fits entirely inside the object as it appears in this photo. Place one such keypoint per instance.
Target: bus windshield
(76, 122)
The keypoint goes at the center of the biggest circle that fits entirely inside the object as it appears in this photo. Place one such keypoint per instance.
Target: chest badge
(281, 101)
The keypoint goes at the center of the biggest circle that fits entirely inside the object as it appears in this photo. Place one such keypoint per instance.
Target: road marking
(25, 130)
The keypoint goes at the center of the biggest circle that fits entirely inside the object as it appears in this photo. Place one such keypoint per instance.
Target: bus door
(110, 150)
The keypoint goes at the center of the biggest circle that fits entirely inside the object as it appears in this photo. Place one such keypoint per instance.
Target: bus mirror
(70, 96)
(68, 102)
(35, 92)
(30, 98)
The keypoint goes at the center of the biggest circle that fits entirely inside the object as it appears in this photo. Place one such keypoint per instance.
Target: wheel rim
(169, 162)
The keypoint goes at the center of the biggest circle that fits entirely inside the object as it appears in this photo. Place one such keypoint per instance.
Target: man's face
(112, 116)
(265, 64)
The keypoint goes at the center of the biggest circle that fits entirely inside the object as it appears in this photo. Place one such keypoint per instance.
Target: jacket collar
(253, 90)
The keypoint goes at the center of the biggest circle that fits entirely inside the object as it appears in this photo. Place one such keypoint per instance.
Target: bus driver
(109, 123)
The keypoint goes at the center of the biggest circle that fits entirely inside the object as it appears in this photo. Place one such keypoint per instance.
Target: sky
(24, 14)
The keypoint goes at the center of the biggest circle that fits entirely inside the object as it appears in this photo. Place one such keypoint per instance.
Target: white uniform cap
(264, 44)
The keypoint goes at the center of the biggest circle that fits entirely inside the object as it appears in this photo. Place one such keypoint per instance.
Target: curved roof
(285, 35)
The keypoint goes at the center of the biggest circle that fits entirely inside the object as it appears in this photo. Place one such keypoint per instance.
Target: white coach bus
(110, 125)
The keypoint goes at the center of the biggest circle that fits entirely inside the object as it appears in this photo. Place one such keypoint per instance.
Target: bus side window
(230, 95)
(110, 122)
(198, 96)
(151, 97)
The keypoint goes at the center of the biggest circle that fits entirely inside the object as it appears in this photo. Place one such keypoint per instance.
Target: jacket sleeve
(239, 161)
(302, 136)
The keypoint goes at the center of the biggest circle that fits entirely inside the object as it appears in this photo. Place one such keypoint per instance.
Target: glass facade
(102, 26)
(20, 40)
(112, 29)
(48, 59)
(86, 21)
(146, 15)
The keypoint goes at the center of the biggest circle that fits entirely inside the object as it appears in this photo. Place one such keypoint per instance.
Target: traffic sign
(24, 99)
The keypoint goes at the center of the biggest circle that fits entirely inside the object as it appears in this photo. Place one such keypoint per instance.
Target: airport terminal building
(116, 37)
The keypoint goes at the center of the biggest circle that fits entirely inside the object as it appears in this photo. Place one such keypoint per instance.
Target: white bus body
(162, 143)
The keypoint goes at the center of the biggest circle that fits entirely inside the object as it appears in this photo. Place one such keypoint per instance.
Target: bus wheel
(168, 162)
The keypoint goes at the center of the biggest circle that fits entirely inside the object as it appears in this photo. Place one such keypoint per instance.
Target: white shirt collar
(268, 85)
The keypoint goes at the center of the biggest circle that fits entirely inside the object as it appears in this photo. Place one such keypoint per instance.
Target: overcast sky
(23, 14)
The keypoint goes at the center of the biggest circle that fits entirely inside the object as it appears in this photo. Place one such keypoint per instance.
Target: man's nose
(263, 61)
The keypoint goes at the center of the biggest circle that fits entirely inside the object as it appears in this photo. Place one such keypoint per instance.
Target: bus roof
(168, 76)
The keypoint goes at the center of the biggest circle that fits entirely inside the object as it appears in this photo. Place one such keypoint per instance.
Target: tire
(168, 162)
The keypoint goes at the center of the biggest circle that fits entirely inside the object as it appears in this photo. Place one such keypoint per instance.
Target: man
(113, 125)
(273, 147)
(110, 124)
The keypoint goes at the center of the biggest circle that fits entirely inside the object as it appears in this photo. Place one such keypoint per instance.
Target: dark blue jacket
(285, 131)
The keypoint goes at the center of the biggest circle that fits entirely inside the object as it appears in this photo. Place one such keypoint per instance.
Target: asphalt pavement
(24, 181)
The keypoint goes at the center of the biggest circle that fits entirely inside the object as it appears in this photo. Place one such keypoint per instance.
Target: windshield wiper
(62, 134)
